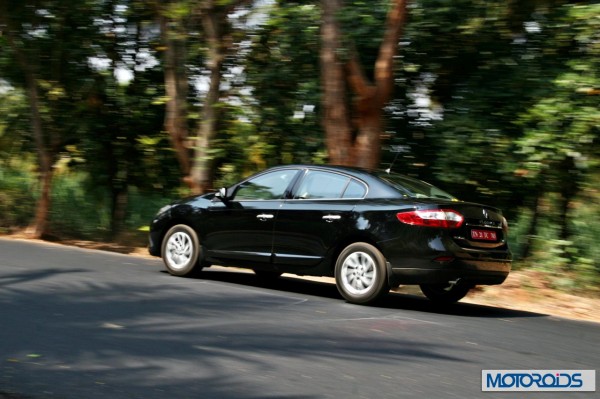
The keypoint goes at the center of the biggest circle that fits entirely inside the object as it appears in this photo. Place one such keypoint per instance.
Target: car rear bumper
(482, 273)
(446, 262)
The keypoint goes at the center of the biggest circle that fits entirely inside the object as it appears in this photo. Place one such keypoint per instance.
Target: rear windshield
(413, 188)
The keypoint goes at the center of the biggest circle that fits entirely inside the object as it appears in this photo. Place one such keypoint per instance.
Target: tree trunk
(120, 199)
(39, 227)
(45, 156)
(360, 144)
(45, 162)
(176, 85)
(367, 145)
(532, 229)
(202, 169)
(569, 187)
(336, 119)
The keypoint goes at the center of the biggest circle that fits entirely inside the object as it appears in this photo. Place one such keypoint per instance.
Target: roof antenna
(397, 149)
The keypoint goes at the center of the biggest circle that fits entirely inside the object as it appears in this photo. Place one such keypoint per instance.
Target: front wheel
(446, 293)
(181, 250)
(361, 274)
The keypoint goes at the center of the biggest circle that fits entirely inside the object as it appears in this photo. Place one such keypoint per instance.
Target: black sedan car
(371, 230)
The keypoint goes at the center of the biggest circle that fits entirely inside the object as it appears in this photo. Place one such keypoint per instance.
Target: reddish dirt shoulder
(531, 291)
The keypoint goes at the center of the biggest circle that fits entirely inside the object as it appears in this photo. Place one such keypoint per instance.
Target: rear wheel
(181, 250)
(360, 273)
(446, 293)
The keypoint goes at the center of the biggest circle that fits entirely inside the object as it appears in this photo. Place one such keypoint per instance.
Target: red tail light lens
(441, 218)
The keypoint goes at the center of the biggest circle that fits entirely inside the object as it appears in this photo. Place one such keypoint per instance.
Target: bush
(17, 198)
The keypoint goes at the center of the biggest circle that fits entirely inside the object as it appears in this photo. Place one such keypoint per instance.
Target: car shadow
(394, 300)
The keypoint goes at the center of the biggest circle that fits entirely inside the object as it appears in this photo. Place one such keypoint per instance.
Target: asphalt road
(83, 324)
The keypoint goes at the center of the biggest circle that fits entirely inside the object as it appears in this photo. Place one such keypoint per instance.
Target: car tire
(446, 293)
(361, 273)
(181, 251)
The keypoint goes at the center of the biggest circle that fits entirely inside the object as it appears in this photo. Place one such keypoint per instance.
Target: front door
(241, 230)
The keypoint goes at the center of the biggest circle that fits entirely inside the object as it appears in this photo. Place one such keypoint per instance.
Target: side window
(355, 190)
(269, 186)
(322, 185)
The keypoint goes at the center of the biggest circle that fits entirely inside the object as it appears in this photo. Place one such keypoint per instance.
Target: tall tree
(46, 152)
(215, 24)
(178, 18)
(353, 103)
(174, 19)
(40, 36)
(119, 97)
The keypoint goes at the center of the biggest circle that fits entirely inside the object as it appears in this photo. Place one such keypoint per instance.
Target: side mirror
(222, 195)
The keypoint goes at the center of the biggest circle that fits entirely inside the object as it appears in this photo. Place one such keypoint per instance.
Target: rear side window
(355, 189)
(326, 185)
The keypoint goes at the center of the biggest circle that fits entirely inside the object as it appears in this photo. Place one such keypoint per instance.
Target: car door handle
(264, 216)
(331, 218)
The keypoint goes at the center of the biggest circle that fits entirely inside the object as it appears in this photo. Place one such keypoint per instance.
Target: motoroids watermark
(538, 380)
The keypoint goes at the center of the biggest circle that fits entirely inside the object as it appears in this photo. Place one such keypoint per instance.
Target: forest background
(110, 109)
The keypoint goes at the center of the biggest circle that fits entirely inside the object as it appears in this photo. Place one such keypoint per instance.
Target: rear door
(316, 218)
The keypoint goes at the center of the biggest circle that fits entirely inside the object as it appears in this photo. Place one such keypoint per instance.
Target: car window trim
(322, 199)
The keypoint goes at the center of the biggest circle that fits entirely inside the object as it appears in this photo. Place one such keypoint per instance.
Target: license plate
(484, 235)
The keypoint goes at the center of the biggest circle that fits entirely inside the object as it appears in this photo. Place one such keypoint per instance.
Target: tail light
(441, 218)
